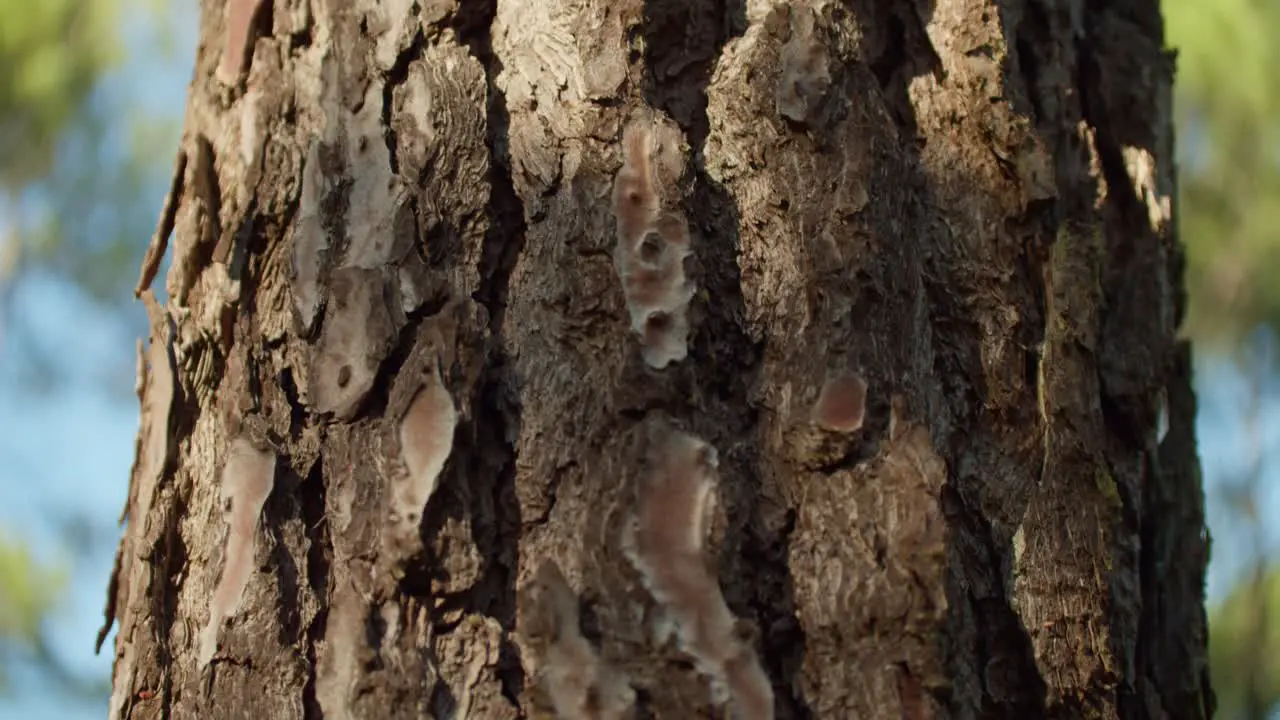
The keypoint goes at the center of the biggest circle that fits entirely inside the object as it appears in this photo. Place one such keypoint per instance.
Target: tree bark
(667, 359)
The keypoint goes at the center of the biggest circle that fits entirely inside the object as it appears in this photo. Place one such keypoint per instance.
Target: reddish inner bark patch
(911, 695)
(240, 15)
(841, 404)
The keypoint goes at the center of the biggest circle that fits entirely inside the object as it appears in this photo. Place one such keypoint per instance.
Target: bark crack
(725, 359)
(396, 77)
(1032, 33)
(170, 561)
(505, 236)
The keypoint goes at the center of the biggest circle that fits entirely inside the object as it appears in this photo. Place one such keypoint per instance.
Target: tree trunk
(668, 359)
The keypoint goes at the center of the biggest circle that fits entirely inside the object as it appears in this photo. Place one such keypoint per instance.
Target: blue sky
(65, 456)
(66, 451)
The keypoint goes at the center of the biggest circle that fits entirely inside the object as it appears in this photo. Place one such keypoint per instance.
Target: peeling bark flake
(238, 39)
(339, 654)
(247, 479)
(666, 544)
(578, 681)
(157, 400)
(426, 438)
(652, 244)
(160, 239)
(353, 342)
(310, 241)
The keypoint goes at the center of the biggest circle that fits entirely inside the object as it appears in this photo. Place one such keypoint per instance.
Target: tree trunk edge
(1035, 450)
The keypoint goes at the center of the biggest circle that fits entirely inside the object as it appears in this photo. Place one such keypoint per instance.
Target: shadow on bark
(682, 43)
(990, 643)
(489, 496)
(1153, 546)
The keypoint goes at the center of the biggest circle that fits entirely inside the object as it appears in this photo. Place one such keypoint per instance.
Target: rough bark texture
(907, 466)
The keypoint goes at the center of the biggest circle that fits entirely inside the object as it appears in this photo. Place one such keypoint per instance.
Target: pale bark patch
(247, 479)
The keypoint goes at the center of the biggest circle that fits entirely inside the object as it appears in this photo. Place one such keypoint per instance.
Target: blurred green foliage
(81, 187)
(95, 217)
(1227, 110)
(1244, 632)
(52, 52)
(78, 165)
(72, 203)
(28, 591)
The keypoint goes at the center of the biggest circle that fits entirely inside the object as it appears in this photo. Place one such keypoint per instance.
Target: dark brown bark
(961, 209)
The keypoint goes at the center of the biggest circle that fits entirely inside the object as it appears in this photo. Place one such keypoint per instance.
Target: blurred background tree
(27, 590)
(1228, 118)
(1227, 110)
(53, 53)
(80, 182)
(78, 159)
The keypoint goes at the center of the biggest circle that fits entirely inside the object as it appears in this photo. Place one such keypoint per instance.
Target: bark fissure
(506, 235)
(1113, 173)
(1005, 658)
(1032, 33)
(170, 562)
(314, 501)
(287, 580)
(991, 655)
(726, 359)
(395, 79)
